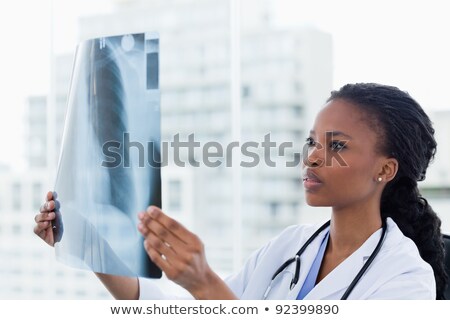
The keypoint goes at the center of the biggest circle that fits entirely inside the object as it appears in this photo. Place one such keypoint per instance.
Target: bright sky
(403, 43)
(397, 42)
(25, 59)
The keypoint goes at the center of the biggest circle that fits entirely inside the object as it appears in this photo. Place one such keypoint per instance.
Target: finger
(166, 236)
(174, 263)
(41, 226)
(161, 247)
(175, 228)
(51, 205)
(39, 217)
(46, 216)
(49, 196)
(143, 217)
(158, 259)
(142, 226)
(143, 229)
(47, 206)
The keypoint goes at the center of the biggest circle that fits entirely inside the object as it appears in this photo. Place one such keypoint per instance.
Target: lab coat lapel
(340, 278)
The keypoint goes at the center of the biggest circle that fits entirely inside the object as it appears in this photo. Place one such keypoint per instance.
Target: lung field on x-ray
(109, 120)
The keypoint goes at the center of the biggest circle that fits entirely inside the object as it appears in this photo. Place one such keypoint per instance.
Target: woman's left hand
(181, 255)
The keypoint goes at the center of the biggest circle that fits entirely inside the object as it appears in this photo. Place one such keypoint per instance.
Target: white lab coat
(398, 271)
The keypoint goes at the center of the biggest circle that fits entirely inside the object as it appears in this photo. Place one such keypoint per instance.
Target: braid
(402, 202)
(406, 134)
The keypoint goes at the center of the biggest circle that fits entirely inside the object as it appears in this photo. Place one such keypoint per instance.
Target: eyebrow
(334, 134)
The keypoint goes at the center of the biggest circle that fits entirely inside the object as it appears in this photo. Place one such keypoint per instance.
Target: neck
(351, 227)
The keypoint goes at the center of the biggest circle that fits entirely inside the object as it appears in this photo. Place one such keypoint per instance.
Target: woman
(369, 146)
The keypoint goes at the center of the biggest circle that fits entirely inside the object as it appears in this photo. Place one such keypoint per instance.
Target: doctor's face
(341, 166)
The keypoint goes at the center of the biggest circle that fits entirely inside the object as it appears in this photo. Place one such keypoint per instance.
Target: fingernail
(152, 212)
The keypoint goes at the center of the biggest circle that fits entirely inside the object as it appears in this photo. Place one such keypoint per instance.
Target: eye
(337, 145)
(310, 142)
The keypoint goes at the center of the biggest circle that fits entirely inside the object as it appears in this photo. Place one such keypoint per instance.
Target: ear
(389, 168)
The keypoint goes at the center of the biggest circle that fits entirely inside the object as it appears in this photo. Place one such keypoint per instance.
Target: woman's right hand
(43, 227)
(120, 287)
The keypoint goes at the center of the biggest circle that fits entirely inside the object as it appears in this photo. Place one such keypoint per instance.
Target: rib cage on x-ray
(109, 121)
(114, 91)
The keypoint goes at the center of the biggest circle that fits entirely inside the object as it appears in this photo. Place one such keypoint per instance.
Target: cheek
(353, 181)
(343, 185)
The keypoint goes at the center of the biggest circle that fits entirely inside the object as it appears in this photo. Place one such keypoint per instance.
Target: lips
(310, 180)
(309, 175)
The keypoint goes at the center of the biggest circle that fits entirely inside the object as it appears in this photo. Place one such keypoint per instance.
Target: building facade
(285, 76)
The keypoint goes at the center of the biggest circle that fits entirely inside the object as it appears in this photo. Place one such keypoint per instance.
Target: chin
(316, 201)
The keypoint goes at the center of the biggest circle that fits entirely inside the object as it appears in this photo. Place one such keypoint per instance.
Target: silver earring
(380, 179)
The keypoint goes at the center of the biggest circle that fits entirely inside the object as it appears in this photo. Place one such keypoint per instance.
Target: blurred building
(438, 175)
(28, 268)
(286, 76)
(436, 187)
(36, 132)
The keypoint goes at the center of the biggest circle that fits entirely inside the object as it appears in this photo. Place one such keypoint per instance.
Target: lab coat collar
(341, 277)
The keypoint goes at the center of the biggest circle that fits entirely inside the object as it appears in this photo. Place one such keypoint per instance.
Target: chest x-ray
(109, 163)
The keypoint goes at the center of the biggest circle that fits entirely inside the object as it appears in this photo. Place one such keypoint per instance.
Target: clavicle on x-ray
(109, 166)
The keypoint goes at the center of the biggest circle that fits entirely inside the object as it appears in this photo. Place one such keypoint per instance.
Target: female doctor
(367, 149)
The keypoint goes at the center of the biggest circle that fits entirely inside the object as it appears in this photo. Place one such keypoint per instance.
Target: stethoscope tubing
(297, 256)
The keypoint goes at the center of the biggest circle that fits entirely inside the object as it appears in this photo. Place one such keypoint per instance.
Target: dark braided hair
(406, 134)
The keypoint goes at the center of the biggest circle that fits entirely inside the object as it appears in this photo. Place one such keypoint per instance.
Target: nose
(314, 155)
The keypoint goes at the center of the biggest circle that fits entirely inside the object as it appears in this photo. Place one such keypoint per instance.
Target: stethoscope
(296, 259)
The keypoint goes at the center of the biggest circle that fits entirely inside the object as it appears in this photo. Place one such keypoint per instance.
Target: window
(246, 91)
(297, 110)
(37, 195)
(295, 208)
(274, 209)
(175, 195)
(16, 229)
(16, 191)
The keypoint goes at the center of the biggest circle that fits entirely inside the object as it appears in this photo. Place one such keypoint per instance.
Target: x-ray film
(109, 168)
